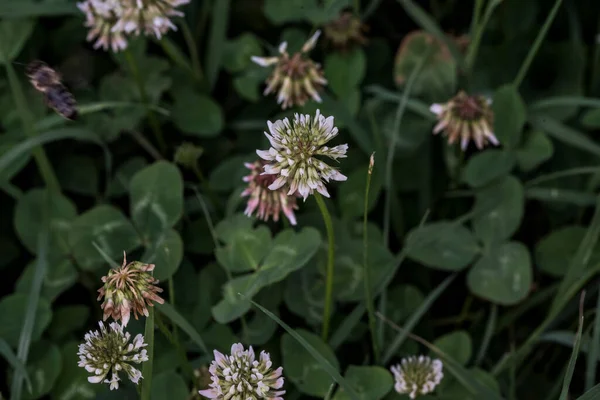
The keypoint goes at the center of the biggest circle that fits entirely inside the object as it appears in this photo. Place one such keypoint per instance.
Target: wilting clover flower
(152, 17)
(109, 351)
(240, 376)
(297, 78)
(269, 203)
(101, 17)
(466, 117)
(345, 31)
(130, 287)
(294, 146)
(417, 375)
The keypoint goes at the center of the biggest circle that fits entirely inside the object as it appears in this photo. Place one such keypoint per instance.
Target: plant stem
(330, 265)
(147, 366)
(536, 45)
(39, 155)
(154, 124)
(366, 278)
(479, 29)
(193, 49)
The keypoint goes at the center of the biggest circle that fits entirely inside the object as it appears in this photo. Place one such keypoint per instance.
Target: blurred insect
(48, 81)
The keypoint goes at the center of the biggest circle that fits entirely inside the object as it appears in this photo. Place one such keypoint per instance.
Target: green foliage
(474, 257)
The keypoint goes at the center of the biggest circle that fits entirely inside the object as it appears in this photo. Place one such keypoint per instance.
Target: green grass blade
(170, 312)
(414, 105)
(345, 328)
(562, 174)
(358, 133)
(564, 101)
(369, 300)
(52, 136)
(14, 362)
(564, 394)
(54, 120)
(106, 257)
(425, 21)
(580, 260)
(458, 371)
(594, 350)
(565, 196)
(29, 8)
(565, 134)
(217, 38)
(335, 375)
(536, 45)
(474, 45)
(39, 274)
(415, 318)
(490, 327)
(592, 394)
(147, 366)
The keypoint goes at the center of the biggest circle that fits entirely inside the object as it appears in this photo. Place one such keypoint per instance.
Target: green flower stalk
(130, 287)
(292, 157)
(417, 375)
(109, 350)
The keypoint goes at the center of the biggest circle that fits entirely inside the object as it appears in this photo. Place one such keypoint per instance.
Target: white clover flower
(108, 351)
(417, 375)
(101, 17)
(297, 77)
(240, 377)
(466, 117)
(150, 16)
(293, 150)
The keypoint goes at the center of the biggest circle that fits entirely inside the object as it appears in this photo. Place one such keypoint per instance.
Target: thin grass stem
(330, 264)
(154, 124)
(536, 45)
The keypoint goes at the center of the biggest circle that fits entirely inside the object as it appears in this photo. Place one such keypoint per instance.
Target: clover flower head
(417, 375)
(292, 156)
(109, 350)
(466, 117)
(152, 17)
(101, 17)
(240, 376)
(187, 155)
(130, 287)
(345, 31)
(269, 203)
(296, 78)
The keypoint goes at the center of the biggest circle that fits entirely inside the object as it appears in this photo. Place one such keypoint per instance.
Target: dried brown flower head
(466, 117)
(296, 78)
(130, 287)
(345, 31)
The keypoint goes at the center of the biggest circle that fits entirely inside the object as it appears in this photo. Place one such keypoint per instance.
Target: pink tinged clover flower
(466, 117)
(417, 375)
(269, 203)
(240, 376)
(107, 351)
(292, 156)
